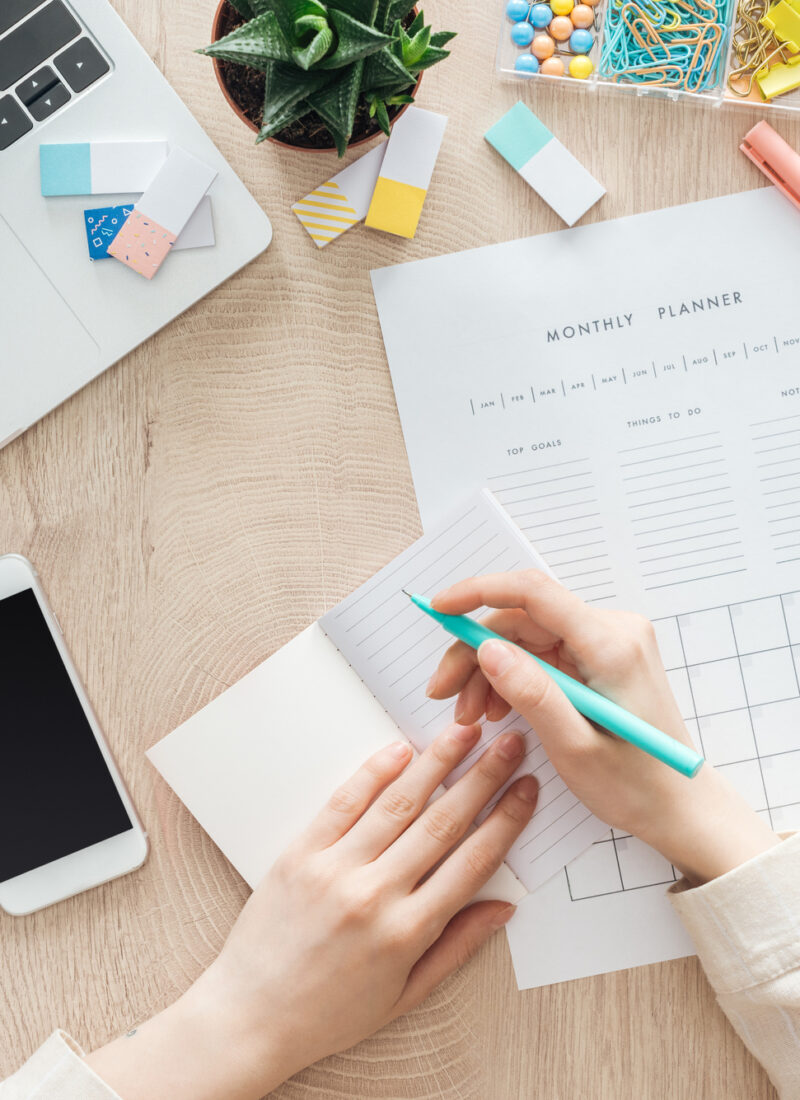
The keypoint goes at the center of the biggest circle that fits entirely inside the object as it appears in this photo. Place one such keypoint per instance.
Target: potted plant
(321, 75)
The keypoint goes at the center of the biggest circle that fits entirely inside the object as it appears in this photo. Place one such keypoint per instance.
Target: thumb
(522, 682)
(461, 938)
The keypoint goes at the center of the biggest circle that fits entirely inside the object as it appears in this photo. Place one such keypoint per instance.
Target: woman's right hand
(702, 825)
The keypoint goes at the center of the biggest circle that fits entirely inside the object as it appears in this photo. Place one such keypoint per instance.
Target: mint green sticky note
(518, 136)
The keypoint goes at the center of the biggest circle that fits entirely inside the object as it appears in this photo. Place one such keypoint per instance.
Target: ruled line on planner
(697, 550)
(687, 538)
(775, 420)
(545, 496)
(672, 484)
(546, 481)
(691, 580)
(690, 523)
(536, 469)
(676, 469)
(666, 442)
(681, 496)
(772, 450)
(693, 565)
(680, 511)
(678, 454)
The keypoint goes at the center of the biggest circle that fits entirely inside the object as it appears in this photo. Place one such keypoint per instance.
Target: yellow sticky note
(406, 172)
(395, 207)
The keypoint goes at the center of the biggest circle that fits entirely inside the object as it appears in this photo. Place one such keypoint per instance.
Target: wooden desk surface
(205, 499)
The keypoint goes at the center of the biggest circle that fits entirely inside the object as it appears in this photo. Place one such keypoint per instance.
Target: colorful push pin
(580, 41)
(517, 10)
(582, 16)
(527, 64)
(543, 47)
(552, 66)
(540, 16)
(580, 67)
(522, 34)
(561, 28)
(562, 7)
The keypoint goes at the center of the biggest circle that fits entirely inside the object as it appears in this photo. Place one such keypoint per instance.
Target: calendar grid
(734, 670)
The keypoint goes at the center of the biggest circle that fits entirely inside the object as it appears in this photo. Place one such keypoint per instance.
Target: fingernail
(458, 713)
(399, 749)
(429, 690)
(528, 789)
(465, 734)
(510, 746)
(496, 657)
(504, 916)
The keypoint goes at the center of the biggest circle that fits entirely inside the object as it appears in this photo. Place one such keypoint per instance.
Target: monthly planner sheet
(630, 391)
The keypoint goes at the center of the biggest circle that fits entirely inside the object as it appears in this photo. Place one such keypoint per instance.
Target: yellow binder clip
(783, 19)
(780, 78)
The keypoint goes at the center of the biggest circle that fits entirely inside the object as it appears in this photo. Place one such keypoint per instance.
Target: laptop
(71, 71)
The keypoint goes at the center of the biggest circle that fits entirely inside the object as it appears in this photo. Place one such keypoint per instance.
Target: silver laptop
(70, 71)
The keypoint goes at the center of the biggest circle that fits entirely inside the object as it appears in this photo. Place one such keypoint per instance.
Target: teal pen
(591, 705)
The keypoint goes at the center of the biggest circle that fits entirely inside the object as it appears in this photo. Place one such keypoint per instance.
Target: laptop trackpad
(45, 352)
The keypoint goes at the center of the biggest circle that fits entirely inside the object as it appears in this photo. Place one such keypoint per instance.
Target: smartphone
(67, 822)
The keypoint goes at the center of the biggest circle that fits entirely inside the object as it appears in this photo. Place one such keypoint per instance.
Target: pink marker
(776, 158)
(162, 212)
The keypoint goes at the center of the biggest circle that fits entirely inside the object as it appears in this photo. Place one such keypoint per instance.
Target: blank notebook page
(395, 648)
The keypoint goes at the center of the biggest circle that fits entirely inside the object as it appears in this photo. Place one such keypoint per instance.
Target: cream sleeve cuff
(56, 1071)
(746, 924)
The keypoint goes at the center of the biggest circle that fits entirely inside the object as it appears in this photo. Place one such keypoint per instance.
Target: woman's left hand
(345, 932)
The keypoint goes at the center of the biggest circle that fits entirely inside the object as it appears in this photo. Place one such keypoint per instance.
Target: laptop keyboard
(32, 33)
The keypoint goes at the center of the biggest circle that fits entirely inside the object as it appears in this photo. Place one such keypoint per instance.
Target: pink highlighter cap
(776, 158)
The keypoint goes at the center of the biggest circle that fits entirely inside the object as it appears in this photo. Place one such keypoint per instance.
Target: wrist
(711, 831)
(196, 1049)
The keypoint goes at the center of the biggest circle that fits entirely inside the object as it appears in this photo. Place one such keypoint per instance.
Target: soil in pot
(246, 87)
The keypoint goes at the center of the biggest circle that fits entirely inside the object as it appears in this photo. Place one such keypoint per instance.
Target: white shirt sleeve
(746, 927)
(56, 1071)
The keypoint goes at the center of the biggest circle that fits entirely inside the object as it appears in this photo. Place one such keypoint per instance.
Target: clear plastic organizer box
(690, 50)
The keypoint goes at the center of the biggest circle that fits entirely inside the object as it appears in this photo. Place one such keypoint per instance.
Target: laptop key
(81, 64)
(33, 41)
(49, 102)
(11, 11)
(13, 122)
(41, 81)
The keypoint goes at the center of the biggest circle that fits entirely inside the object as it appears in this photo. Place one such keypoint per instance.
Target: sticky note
(100, 167)
(342, 201)
(104, 223)
(161, 214)
(406, 172)
(543, 162)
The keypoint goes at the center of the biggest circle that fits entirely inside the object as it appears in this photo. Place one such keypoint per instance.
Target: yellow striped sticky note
(327, 211)
(406, 172)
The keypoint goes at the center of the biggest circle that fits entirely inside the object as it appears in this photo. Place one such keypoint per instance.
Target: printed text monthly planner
(630, 391)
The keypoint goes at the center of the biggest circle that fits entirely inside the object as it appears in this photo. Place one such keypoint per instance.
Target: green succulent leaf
(244, 8)
(417, 24)
(362, 10)
(315, 50)
(432, 56)
(441, 38)
(355, 41)
(253, 43)
(398, 9)
(382, 116)
(416, 47)
(286, 87)
(384, 70)
(259, 6)
(336, 102)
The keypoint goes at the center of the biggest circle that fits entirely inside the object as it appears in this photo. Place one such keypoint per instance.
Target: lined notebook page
(395, 648)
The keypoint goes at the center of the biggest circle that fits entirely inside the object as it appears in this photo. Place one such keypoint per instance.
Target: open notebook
(255, 765)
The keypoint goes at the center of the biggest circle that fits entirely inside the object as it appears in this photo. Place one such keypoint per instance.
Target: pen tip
(405, 592)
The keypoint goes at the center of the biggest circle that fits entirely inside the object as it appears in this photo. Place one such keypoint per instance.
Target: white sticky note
(199, 230)
(162, 212)
(343, 200)
(100, 167)
(406, 172)
(551, 170)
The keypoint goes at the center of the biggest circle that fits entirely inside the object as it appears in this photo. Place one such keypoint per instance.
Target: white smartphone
(67, 822)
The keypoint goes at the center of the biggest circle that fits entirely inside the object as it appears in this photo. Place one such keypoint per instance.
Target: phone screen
(56, 793)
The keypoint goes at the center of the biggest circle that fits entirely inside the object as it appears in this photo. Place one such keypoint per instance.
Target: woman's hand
(347, 931)
(701, 825)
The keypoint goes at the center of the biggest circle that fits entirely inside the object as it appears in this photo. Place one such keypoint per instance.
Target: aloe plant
(327, 58)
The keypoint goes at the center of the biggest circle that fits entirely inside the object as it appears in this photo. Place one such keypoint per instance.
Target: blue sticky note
(102, 226)
(66, 169)
(518, 136)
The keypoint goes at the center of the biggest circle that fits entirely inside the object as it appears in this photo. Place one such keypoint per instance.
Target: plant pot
(239, 112)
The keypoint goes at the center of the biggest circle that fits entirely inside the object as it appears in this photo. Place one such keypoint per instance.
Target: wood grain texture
(206, 498)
